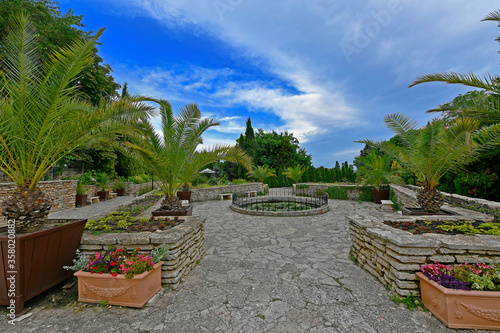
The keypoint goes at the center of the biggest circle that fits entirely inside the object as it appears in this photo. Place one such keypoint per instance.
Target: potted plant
(175, 160)
(462, 296)
(28, 152)
(376, 171)
(102, 181)
(184, 193)
(81, 194)
(432, 151)
(119, 186)
(121, 278)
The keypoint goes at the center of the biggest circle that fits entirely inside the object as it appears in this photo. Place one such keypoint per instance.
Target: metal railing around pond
(279, 200)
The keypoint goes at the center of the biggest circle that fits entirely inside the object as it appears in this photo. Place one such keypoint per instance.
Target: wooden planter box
(120, 192)
(103, 195)
(81, 200)
(118, 290)
(184, 195)
(461, 308)
(382, 194)
(185, 212)
(39, 257)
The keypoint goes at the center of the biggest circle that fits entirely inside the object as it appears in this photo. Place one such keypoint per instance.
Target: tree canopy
(56, 30)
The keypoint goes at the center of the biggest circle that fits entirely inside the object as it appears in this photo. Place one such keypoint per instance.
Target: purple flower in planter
(447, 280)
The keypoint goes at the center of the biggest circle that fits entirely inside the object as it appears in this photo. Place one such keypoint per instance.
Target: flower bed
(393, 255)
(186, 242)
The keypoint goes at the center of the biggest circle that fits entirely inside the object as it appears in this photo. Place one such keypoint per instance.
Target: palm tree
(485, 106)
(432, 151)
(295, 172)
(376, 170)
(42, 119)
(174, 157)
(261, 173)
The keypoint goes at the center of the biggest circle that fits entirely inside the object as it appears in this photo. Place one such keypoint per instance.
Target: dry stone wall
(212, 193)
(393, 256)
(62, 193)
(186, 242)
(353, 191)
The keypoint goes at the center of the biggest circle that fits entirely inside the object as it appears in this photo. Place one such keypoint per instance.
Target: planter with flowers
(121, 278)
(462, 296)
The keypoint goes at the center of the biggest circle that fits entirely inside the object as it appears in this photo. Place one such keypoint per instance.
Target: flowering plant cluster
(118, 261)
(464, 276)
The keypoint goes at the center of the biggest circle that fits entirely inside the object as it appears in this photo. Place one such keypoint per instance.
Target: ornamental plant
(118, 261)
(464, 276)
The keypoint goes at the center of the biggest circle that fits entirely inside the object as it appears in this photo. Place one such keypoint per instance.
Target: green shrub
(394, 199)
(212, 182)
(365, 193)
(301, 186)
(239, 181)
(337, 193)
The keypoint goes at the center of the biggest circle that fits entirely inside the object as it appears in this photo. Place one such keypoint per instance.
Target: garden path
(260, 274)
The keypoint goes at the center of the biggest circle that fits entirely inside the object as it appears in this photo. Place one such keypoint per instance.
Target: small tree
(261, 173)
(295, 172)
(434, 150)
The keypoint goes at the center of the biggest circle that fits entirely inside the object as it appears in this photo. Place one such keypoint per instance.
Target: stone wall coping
(403, 238)
(411, 193)
(169, 236)
(225, 187)
(42, 182)
(332, 185)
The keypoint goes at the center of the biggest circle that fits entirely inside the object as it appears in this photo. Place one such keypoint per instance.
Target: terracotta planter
(120, 192)
(81, 200)
(118, 290)
(185, 212)
(103, 195)
(461, 308)
(382, 194)
(39, 259)
(184, 195)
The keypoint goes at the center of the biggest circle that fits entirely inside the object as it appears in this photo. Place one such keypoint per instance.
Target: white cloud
(299, 41)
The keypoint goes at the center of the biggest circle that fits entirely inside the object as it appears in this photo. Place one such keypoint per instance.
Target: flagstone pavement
(259, 274)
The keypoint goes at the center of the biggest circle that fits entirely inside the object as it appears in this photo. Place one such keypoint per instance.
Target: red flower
(114, 274)
(112, 263)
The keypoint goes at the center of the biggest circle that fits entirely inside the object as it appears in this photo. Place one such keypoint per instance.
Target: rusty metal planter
(39, 257)
(118, 290)
(461, 308)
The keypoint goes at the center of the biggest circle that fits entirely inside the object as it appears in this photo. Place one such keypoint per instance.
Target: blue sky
(325, 70)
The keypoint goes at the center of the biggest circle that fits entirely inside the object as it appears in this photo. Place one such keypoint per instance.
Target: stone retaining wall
(130, 188)
(62, 193)
(393, 256)
(408, 197)
(353, 191)
(186, 242)
(212, 193)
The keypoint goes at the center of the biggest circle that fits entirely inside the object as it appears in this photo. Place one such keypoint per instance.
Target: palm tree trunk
(27, 207)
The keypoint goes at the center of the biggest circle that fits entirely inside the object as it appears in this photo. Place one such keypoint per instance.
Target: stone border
(212, 193)
(353, 192)
(393, 256)
(186, 242)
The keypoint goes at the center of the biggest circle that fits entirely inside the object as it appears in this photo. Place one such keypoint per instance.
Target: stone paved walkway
(260, 274)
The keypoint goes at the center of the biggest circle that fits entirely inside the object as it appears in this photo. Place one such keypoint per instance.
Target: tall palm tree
(484, 107)
(42, 119)
(174, 156)
(261, 173)
(432, 151)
